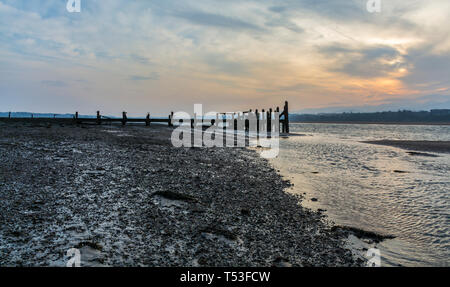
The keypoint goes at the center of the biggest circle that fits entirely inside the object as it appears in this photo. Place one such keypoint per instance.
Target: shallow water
(376, 188)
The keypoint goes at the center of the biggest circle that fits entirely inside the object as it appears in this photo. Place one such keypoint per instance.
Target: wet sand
(427, 146)
(126, 197)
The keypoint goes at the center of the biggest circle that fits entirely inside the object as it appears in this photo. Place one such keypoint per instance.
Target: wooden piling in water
(124, 118)
(170, 119)
(286, 116)
(257, 122)
(147, 120)
(99, 118)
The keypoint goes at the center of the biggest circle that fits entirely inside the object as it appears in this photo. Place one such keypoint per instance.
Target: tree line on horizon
(401, 116)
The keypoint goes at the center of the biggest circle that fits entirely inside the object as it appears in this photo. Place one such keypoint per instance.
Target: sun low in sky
(157, 56)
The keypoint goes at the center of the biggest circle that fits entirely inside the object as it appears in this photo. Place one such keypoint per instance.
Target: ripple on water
(378, 188)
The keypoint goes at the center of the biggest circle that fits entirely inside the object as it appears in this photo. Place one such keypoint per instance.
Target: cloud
(153, 76)
(217, 20)
(365, 62)
(311, 52)
(51, 83)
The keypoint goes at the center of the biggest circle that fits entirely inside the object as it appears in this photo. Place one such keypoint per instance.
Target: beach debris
(363, 234)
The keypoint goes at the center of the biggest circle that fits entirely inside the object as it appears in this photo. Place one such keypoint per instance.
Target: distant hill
(40, 115)
(433, 116)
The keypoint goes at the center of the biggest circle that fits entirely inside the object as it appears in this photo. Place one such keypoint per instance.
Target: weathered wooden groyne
(267, 115)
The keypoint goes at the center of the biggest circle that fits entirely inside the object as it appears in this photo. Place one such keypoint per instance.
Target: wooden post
(286, 116)
(99, 118)
(124, 118)
(277, 110)
(170, 119)
(263, 114)
(9, 115)
(224, 122)
(246, 121)
(32, 116)
(257, 122)
(147, 120)
(269, 120)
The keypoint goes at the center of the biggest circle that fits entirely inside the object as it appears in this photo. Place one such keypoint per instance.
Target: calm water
(356, 183)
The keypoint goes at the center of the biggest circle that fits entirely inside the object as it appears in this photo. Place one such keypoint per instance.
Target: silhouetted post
(32, 116)
(257, 122)
(263, 114)
(193, 121)
(147, 120)
(99, 118)
(277, 113)
(9, 115)
(224, 122)
(286, 116)
(247, 121)
(269, 120)
(170, 119)
(124, 118)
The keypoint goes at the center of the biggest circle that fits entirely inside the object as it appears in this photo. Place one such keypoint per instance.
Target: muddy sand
(124, 196)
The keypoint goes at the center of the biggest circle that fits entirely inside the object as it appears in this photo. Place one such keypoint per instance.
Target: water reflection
(378, 188)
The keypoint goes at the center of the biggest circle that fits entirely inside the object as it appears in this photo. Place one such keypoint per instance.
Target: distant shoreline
(376, 123)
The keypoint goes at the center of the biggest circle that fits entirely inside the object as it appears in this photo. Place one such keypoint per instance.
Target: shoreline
(127, 197)
(378, 123)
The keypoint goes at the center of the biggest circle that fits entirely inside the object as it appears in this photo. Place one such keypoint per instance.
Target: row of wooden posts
(267, 115)
(148, 120)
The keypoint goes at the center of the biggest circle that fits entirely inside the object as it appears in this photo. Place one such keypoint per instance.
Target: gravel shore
(125, 196)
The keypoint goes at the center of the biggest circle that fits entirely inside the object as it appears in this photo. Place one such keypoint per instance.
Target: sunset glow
(159, 55)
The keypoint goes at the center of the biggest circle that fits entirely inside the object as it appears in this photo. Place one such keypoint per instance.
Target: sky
(157, 56)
